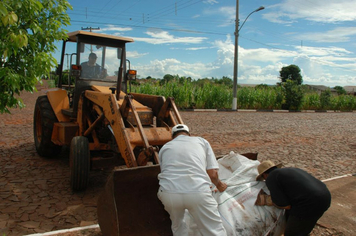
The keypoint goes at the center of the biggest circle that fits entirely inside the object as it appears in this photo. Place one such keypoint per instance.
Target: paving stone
(60, 206)
(4, 217)
(71, 220)
(30, 224)
(35, 189)
(42, 210)
(86, 223)
(30, 208)
(52, 213)
(47, 226)
(13, 198)
(24, 217)
(10, 208)
(3, 224)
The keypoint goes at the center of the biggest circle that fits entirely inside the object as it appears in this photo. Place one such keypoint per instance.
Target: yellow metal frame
(59, 100)
(130, 120)
(127, 135)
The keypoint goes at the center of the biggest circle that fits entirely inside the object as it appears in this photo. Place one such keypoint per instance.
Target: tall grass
(311, 101)
(211, 96)
(219, 96)
(186, 95)
(264, 98)
(344, 102)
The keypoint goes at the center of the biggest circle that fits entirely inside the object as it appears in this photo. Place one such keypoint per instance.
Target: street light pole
(234, 100)
(236, 53)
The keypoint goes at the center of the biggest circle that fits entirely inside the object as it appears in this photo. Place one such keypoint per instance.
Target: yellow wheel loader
(105, 125)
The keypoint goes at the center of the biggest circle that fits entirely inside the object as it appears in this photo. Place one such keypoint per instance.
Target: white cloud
(278, 17)
(211, 2)
(113, 28)
(229, 13)
(323, 51)
(339, 35)
(225, 14)
(158, 68)
(332, 11)
(163, 37)
(262, 65)
(135, 54)
(196, 48)
(319, 65)
(265, 55)
(225, 51)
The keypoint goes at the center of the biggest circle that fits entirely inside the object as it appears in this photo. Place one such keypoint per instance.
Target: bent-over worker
(304, 197)
(188, 166)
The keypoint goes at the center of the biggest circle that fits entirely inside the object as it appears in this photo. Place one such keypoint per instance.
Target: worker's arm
(266, 200)
(285, 207)
(214, 177)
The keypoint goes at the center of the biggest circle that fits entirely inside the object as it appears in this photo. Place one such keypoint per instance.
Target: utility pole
(68, 68)
(236, 53)
(90, 29)
(234, 98)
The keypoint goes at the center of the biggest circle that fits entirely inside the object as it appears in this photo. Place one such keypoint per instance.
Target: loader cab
(95, 59)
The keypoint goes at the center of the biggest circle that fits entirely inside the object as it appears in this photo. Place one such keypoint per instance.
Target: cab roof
(72, 36)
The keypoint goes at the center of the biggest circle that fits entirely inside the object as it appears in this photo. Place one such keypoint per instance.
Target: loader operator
(304, 197)
(188, 166)
(92, 70)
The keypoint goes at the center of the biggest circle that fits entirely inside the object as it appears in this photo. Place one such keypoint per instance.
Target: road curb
(267, 110)
(338, 177)
(62, 231)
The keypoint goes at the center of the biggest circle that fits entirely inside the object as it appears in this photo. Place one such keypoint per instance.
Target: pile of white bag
(237, 207)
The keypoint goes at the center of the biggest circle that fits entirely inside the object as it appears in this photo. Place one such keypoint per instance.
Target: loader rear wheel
(43, 121)
(79, 163)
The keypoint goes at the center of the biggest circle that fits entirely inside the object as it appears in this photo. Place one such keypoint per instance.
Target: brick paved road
(35, 195)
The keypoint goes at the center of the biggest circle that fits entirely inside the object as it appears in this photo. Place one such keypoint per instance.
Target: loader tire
(43, 121)
(79, 163)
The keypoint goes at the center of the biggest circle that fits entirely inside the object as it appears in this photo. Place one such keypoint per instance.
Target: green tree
(166, 78)
(225, 81)
(184, 79)
(262, 86)
(28, 31)
(340, 90)
(294, 94)
(202, 82)
(291, 72)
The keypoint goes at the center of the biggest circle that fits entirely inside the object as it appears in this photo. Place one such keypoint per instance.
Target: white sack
(236, 204)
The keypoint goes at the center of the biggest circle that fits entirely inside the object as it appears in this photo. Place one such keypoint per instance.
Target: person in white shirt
(188, 169)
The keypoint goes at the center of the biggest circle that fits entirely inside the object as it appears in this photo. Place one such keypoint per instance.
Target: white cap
(180, 127)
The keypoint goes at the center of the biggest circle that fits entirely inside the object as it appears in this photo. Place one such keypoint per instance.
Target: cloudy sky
(196, 37)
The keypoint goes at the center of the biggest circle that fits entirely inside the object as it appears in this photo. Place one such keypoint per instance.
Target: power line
(147, 27)
(129, 17)
(169, 9)
(178, 8)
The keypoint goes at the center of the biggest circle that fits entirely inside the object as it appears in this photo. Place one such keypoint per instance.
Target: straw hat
(264, 166)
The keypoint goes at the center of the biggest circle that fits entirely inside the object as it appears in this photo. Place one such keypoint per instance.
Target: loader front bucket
(129, 204)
